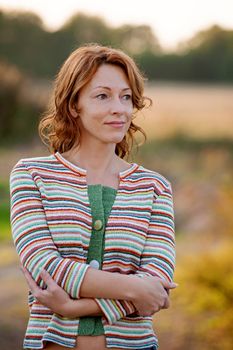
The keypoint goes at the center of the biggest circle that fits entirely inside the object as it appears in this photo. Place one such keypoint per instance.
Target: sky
(172, 21)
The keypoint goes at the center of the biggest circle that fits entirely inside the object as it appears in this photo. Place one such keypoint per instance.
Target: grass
(180, 141)
(5, 230)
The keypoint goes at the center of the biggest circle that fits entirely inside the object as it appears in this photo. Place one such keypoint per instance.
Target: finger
(30, 281)
(169, 285)
(47, 279)
(166, 304)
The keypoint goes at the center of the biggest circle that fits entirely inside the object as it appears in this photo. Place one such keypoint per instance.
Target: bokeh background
(189, 128)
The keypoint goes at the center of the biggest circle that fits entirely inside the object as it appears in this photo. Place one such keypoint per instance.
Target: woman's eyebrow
(108, 88)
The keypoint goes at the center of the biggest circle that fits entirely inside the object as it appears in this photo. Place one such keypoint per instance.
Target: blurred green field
(5, 233)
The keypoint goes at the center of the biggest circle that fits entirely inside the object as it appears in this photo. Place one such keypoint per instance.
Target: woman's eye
(101, 96)
(127, 97)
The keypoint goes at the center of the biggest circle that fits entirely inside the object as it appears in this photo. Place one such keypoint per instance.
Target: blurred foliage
(207, 57)
(24, 42)
(210, 55)
(4, 211)
(18, 115)
(205, 296)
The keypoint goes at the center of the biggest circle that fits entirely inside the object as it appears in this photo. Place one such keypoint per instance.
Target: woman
(86, 223)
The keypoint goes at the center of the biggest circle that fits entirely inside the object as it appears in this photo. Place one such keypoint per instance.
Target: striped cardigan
(51, 227)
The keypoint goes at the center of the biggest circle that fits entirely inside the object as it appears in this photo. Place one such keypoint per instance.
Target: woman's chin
(114, 139)
(117, 140)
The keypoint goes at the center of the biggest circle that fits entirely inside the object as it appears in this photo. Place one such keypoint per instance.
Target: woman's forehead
(109, 75)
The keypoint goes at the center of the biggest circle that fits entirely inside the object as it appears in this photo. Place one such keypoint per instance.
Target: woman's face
(105, 106)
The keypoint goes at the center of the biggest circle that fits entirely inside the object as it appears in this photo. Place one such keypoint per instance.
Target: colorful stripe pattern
(52, 225)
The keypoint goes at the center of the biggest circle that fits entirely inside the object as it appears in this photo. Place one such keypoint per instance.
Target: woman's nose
(117, 107)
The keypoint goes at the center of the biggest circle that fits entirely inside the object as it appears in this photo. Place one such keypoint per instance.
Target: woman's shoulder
(34, 162)
(159, 180)
(141, 171)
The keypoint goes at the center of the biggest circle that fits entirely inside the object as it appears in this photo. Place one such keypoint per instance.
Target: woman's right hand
(152, 295)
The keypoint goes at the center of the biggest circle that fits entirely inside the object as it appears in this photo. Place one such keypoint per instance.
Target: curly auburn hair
(58, 129)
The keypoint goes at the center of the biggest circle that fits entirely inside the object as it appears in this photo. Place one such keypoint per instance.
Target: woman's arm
(158, 257)
(57, 300)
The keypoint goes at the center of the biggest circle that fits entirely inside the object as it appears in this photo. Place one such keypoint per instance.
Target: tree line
(24, 42)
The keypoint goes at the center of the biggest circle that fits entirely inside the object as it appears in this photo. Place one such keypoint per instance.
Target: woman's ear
(74, 112)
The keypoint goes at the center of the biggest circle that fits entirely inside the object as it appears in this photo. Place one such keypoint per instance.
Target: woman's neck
(99, 161)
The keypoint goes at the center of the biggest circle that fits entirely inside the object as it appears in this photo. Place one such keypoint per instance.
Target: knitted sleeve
(32, 237)
(158, 257)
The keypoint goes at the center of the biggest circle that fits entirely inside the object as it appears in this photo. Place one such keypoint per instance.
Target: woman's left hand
(54, 297)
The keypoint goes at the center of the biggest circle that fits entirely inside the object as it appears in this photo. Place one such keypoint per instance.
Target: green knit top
(101, 199)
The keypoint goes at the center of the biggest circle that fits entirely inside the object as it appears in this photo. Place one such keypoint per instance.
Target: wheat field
(198, 111)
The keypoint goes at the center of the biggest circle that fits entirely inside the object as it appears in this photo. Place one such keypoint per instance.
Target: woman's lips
(116, 124)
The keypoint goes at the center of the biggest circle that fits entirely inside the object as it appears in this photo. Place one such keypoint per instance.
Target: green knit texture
(101, 199)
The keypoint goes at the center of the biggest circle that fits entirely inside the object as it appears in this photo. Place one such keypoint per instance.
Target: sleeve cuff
(73, 284)
(114, 310)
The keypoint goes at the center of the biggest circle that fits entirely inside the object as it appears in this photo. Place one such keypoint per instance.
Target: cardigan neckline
(107, 188)
(83, 172)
